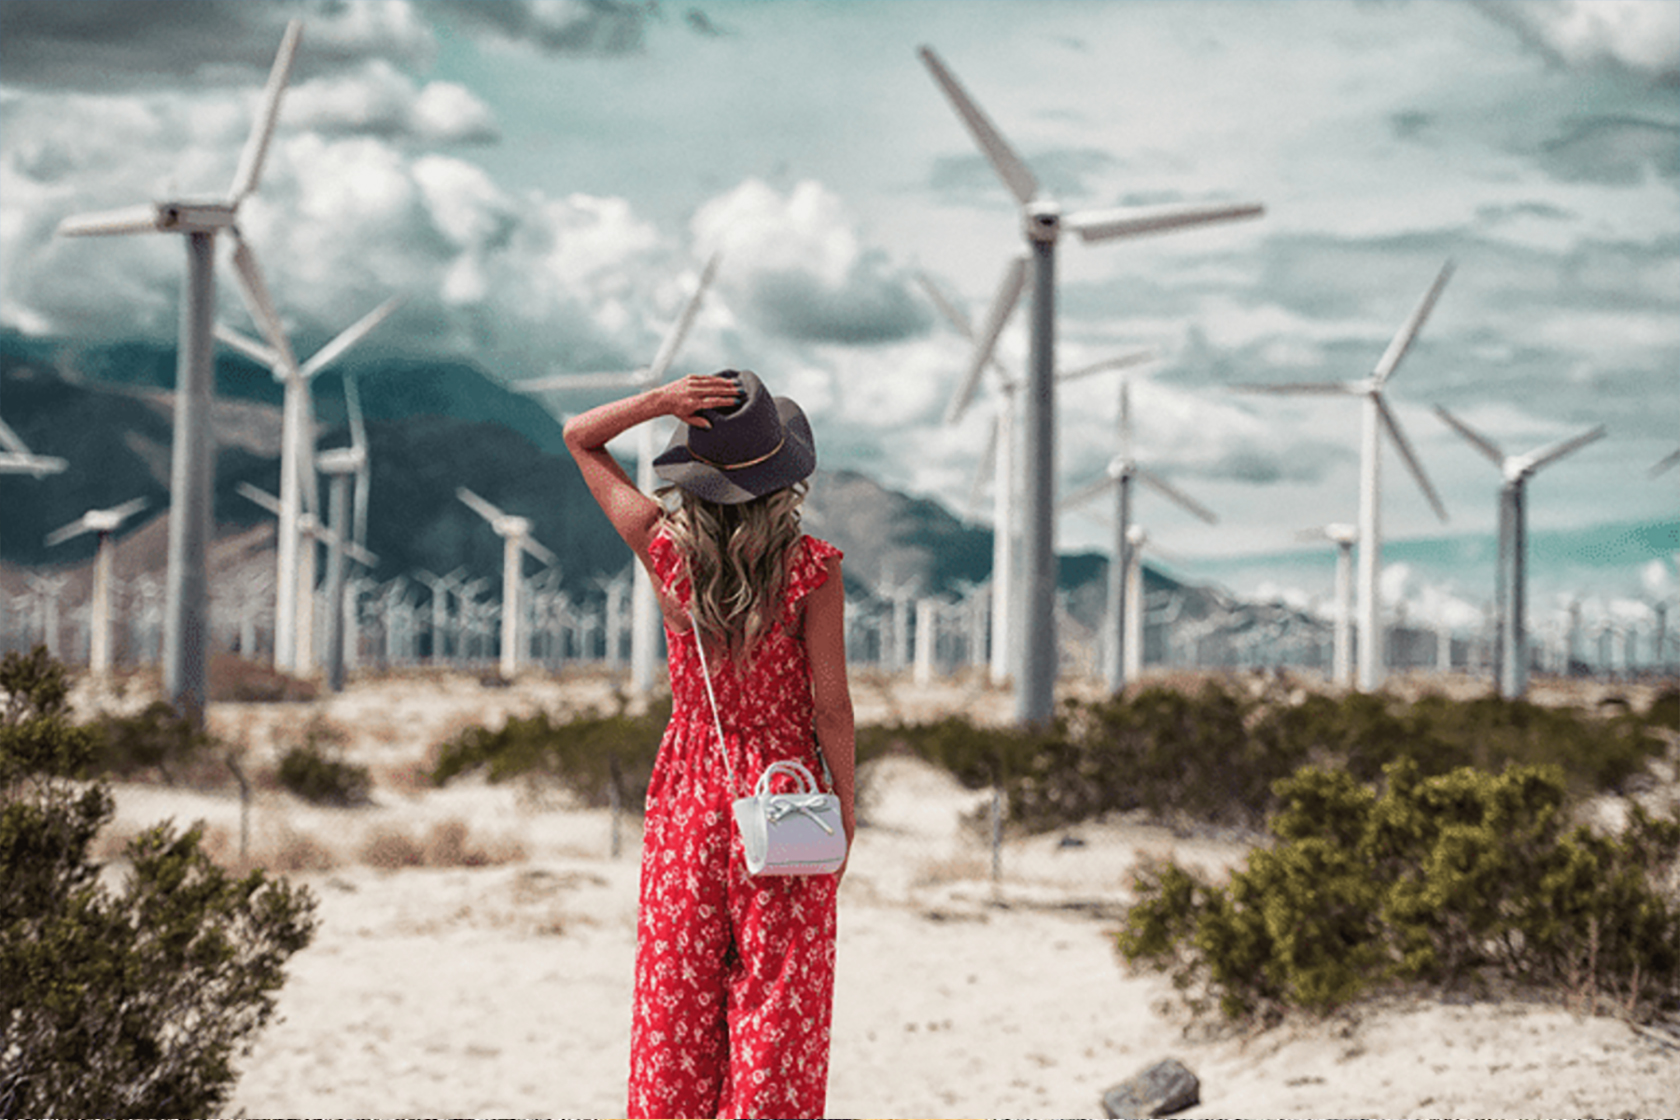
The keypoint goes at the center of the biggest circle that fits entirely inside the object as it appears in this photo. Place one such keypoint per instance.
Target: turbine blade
(358, 440)
(958, 319)
(673, 341)
(1086, 492)
(262, 497)
(128, 509)
(1009, 166)
(1164, 488)
(539, 550)
(1665, 462)
(1316, 388)
(11, 441)
(1101, 225)
(1119, 361)
(130, 219)
(1563, 447)
(953, 314)
(483, 508)
(1125, 419)
(984, 470)
(1408, 331)
(1409, 456)
(350, 336)
(66, 532)
(38, 465)
(364, 483)
(326, 535)
(254, 289)
(353, 413)
(1003, 305)
(250, 347)
(262, 129)
(579, 381)
(1480, 442)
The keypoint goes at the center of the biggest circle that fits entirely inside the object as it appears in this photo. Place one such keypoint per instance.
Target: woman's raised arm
(632, 513)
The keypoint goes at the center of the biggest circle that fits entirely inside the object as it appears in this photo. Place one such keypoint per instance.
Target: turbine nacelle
(511, 526)
(341, 460)
(1041, 220)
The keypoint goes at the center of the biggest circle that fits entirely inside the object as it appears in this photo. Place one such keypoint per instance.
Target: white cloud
(449, 113)
(1640, 35)
(798, 263)
(378, 100)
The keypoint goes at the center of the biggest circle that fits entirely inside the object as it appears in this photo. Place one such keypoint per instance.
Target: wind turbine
(187, 612)
(516, 537)
(341, 464)
(103, 522)
(16, 458)
(1043, 222)
(1510, 665)
(1377, 418)
(312, 531)
(1343, 536)
(998, 455)
(295, 571)
(1124, 647)
(645, 620)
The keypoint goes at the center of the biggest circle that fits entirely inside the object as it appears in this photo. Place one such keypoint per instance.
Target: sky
(543, 181)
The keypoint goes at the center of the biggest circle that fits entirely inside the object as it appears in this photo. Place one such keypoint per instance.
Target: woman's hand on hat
(687, 397)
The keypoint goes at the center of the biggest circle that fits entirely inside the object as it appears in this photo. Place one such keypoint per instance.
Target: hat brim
(795, 460)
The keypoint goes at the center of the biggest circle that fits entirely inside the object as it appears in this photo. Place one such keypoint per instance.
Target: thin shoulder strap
(717, 720)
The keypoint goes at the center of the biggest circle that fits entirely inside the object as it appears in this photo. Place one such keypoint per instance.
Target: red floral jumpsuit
(734, 975)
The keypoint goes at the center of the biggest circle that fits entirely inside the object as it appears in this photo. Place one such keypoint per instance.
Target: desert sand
(503, 989)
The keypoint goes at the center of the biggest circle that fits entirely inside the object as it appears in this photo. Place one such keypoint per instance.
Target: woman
(734, 974)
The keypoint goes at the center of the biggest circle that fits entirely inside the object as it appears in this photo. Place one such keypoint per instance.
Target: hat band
(771, 454)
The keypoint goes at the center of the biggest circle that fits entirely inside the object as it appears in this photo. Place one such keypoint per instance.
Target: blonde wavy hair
(737, 560)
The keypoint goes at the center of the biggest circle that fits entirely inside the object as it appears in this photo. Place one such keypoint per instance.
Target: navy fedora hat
(756, 446)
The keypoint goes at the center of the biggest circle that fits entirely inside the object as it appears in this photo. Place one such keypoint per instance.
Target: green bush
(1455, 879)
(118, 1001)
(1157, 749)
(316, 770)
(155, 739)
(1215, 755)
(597, 757)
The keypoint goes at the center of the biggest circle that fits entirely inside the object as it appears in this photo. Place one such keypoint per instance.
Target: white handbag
(796, 833)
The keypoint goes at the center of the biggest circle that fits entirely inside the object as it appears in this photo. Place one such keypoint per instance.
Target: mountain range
(432, 426)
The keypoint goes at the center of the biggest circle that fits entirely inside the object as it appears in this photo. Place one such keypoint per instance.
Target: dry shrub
(390, 848)
(296, 851)
(409, 778)
(447, 843)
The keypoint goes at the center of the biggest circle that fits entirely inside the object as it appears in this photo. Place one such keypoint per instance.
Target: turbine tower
(1043, 222)
(1377, 419)
(341, 465)
(186, 635)
(294, 570)
(1123, 648)
(516, 536)
(103, 522)
(645, 619)
(998, 456)
(1510, 663)
(1343, 536)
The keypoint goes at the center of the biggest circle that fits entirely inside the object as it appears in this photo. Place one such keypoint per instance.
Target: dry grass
(447, 843)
